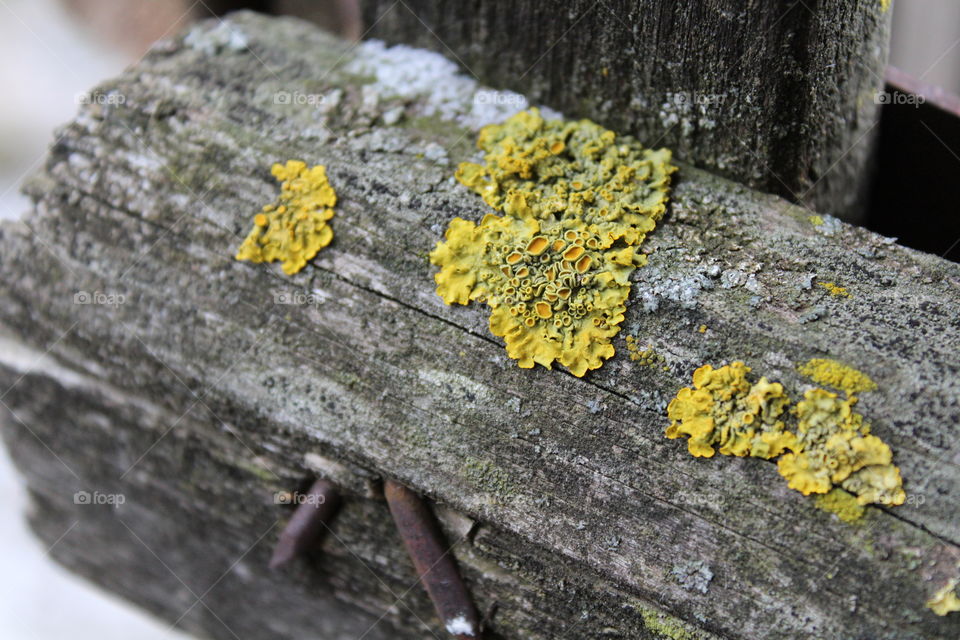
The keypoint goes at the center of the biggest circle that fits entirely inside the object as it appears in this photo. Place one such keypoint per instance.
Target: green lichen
(254, 468)
(841, 503)
(555, 267)
(666, 626)
(644, 357)
(489, 478)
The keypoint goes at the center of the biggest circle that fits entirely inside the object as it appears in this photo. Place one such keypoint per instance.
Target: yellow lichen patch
(835, 449)
(834, 289)
(841, 503)
(544, 306)
(945, 600)
(829, 447)
(555, 268)
(294, 228)
(831, 373)
(727, 411)
(571, 169)
(815, 220)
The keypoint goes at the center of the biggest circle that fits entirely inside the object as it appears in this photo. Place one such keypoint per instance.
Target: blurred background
(55, 50)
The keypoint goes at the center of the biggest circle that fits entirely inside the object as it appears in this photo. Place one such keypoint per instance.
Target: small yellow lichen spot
(645, 357)
(815, 220)
(945, 600)
(834, 289)
(726, 410)
(831, 373)
(884, 5)
(555, 268)
(702, 328)
(294, 228)
(841, 503)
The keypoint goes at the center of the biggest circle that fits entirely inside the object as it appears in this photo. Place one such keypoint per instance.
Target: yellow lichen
(542, 304)
(841, 503)
(294, 228)
(555, 267)
(702, 328)
(571, 169)
(945, 600)
(834, 289)
(831, 373)
(836, 449)
(815, 220)
(725, 410)
(830, 447)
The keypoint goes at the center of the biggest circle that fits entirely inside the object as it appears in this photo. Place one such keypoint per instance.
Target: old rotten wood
(139, 359)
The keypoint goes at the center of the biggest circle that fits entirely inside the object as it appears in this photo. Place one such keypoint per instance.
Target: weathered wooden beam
(197, 386)
(777, 95)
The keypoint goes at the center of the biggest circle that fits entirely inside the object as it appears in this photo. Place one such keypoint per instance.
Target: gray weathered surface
(200, 396)
(777, 95)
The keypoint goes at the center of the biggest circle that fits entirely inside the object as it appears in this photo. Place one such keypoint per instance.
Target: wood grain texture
(200, 393)
(777, 95)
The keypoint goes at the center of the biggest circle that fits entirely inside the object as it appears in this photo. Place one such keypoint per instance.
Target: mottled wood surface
(198, 395)
(776, 94)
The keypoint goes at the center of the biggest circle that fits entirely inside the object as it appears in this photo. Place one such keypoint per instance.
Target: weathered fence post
(782, 96)
(138, 358)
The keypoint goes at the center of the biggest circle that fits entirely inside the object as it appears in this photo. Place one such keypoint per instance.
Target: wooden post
(140, 359)
(778, 95)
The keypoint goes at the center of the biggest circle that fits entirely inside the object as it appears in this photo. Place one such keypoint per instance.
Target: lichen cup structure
(554, 268)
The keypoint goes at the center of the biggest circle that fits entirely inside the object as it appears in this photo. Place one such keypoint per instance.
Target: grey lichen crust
(215, 383)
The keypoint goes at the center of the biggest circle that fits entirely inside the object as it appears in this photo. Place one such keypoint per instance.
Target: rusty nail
(308, 522)
(435, 566)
